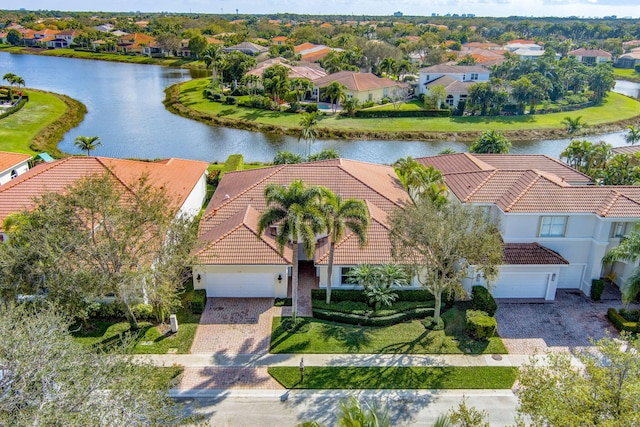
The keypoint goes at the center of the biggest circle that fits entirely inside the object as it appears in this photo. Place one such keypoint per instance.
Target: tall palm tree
(296, 211)
(309, 129)
(627, 251)
(389, 66)
(87, 143)
(341, 215)
(213, 58)
(633, 136)
(336, 92)
(420, 181)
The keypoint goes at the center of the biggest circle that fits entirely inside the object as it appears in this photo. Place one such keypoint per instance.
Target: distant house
(456, 90)
(461, 73)
(134, 43)
(12, 165)
(104, 28)
(279, 40)
(532, 54)
(247, 48)
(590, 56)
(363, 86)
(311, 72)
(65, 38)
(310, 52)
(629, 60)
(513, 46)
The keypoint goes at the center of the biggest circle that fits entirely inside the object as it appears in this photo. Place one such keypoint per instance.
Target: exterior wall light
(198, 278)
(279, 278)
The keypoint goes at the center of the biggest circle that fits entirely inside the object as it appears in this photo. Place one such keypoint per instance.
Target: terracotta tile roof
(309, 72)
(236, 242)
(531, 254)
(178, 176)
(355, 81)
(629, 149)
(11, 160)
(453, 69)
(373, 183)
(304, 46)
(589, 52)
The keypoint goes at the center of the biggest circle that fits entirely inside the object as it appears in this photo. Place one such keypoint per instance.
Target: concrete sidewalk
(402, 360)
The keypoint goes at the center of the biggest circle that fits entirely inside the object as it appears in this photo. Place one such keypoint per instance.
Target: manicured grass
(108, 334)
(616, 107)
(163, 378)
(319, 336)
(316, 377)
(19, 129)
(627, 74)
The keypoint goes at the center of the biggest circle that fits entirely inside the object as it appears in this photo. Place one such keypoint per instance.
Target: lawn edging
(395, 377)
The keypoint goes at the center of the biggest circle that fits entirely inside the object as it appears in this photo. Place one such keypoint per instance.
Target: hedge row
(354, 319)
(15, 108)
(358, 295)
(621, 323)
(234, 163)
(400, 113)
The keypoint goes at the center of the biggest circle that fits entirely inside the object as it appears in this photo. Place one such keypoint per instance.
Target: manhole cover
(496, 357)
(146, 342)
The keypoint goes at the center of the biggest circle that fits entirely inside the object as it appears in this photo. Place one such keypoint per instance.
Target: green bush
(354, 319)
(630, 315)
(142, 311)
(261, 102)
(428, 323)
(106, 310)
(231, 100)
(234, 162)
(367, 104)
(216, 97)
(357, 295)
(311, 108)
(621, 323)
(213, 177)
(597, 287)
(480, 325)
(15, 108)
(402, 113)
(481, 299)
(198, 301)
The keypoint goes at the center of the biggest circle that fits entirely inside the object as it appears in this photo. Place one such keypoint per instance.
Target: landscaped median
(416, 377)
(188, 99)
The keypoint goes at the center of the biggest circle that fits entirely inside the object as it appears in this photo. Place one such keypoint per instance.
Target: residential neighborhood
(286, 219)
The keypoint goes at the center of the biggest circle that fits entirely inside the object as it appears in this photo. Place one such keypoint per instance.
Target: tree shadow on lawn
(353, 338)
(409, 347)
(226, 112)
(494, 119)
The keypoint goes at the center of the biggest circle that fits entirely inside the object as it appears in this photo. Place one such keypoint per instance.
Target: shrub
(262, 102)
(106, 310)
(231, 100)
(198, 301)
(481, 299)
(597, 286)
(15, 108)
(213, 177)
(282, 302)
(216, 97)
(363, 320)
(234, 163)
(621, 323)
(630, 315)
(428, 323)
(356, 295)
(294, 107)
(367, 104)
(311, 108)
(142, 311)
(401, 113)
(480, 325)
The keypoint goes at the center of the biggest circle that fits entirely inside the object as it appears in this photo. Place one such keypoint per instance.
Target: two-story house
(456, 80)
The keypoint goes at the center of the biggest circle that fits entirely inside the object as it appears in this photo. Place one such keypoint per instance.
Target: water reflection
(126, 111)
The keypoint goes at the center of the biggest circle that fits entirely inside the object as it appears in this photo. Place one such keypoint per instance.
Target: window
(449, 100)
(617, 229)
(553, 226)
(474, 76)
(344, 275)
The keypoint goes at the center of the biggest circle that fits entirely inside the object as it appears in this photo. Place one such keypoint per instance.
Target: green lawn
(616, 107)
(163, 377)
(148, 340)
(316, 377)
(320, 336)
(19, 129)
(627, 74)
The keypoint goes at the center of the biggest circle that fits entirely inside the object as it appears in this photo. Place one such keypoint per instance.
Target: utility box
(173, 320)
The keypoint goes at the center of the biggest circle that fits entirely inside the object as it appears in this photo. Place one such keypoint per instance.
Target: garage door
(243, 285)
(521, 285)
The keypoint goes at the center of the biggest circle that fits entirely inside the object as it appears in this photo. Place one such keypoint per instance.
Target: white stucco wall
(20, 168)
(193, 202)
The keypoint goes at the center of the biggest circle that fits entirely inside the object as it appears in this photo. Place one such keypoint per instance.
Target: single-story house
(363, 86)
(462, 73)
(532, 54)
(590, 56)
(12, 165)
(310, 52)
(307, 71)
(184, 181)
(561, 223)
(247, 48)
(233, 261)
(629, 60)
(514, 45)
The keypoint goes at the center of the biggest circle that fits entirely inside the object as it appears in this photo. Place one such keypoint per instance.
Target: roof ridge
(230, 199)
(259, 236)
(341, 166)
(615, 195)
(481, 184)
(213, 242)
(98, 159)
(524, 191)
(40, 171)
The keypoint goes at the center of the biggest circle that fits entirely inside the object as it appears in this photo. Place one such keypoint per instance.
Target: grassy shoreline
(41, 124)
(187, 100)
(627, 74)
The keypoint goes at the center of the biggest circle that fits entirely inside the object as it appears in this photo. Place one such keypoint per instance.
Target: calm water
(125, 109)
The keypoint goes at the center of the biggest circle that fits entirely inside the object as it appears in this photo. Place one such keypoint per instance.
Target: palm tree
(296, 211)
(336, 92)
(572, 125)
(627, 251)
(309, 129)
(491, 142)
(87, 143)
(351, 214)
(10, 78)
(389, 66)
(634, 135)
(213, 58)
(420, 181)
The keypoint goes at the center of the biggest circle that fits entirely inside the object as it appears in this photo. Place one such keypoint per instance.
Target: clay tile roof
(531, 254)
(178, 176)
(11, 160)
(454, 69)
(589, 52)
(534, 161)
(629, 149)
(355, 81)
(236, 241)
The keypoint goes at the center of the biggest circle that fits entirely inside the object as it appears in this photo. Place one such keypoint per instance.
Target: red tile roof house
(555, 225)
(590, 56)
(12, 165)
(184, 180)
(363, 86)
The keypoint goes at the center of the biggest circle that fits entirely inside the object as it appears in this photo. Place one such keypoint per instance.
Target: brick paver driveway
(564, 324)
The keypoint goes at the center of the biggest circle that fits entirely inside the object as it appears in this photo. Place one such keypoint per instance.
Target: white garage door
(243, 285)
(521, 285)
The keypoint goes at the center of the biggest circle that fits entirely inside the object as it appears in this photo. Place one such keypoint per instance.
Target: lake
(124, 103)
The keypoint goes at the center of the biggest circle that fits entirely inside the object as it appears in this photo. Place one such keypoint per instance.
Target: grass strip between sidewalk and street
(417, 377)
